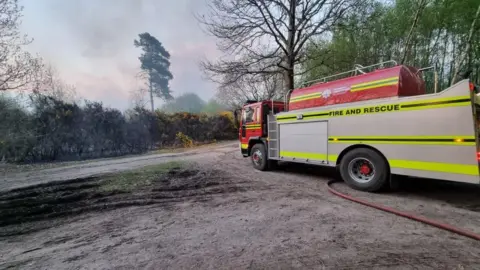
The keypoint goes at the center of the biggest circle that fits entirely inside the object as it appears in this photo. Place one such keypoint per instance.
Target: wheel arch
(356, 146)
(254, 140)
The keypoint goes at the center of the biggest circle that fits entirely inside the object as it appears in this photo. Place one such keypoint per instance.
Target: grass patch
(19, 168)
(196, 146)
(131, 180)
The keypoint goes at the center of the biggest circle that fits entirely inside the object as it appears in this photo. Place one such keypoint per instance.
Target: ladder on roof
(357, 70)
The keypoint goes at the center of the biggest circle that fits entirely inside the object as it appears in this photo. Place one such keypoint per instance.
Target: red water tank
(382, 83)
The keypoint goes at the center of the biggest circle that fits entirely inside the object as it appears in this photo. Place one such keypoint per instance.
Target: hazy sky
(91, 43)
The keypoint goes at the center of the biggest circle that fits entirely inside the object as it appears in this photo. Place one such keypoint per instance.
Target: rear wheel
(259, 157)
(364, 169)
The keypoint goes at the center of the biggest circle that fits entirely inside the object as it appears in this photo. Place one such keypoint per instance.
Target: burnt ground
(20, 207)
(221, 214)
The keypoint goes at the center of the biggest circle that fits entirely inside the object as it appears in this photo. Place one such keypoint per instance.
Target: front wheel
(259, 157)
(364, 169)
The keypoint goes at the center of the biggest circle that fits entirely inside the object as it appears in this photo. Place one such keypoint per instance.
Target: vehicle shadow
(306, 169)
(461, 195)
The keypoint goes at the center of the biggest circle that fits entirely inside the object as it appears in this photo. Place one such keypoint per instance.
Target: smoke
(102, 27)
(90, 42)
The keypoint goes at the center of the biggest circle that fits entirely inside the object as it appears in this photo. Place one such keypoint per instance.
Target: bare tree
(421, 6)
(138, 97)
(466, 52)
(17, 67)
(49, 83)
(266, 37)
(261, 87)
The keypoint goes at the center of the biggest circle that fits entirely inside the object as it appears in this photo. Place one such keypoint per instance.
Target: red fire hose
(443, 226)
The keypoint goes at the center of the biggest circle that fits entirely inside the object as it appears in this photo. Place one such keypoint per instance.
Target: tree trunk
(442, 68)
(463, 55)
(151, 94)
(290, 57)
(421, 5)
(288, 77)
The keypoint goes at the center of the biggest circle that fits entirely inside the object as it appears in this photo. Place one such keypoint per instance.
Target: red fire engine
(369, 125)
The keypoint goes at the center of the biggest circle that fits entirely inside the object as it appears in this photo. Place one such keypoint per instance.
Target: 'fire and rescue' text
(375, 109)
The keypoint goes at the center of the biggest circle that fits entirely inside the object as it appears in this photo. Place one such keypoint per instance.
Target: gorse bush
(56, 130)
(184, 140)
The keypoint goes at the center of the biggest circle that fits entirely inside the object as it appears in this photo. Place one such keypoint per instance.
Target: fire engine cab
(369, 125)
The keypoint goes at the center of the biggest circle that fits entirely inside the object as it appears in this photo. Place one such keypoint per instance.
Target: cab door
(243, 125)
(254, 128)
(250, 126)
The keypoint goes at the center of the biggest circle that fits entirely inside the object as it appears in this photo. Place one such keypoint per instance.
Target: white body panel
(314, 132)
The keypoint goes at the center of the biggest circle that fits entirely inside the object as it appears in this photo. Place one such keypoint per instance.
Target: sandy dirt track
(222, 214)
(22, 179)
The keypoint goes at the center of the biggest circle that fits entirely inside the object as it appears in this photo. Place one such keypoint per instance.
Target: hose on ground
(430, 222)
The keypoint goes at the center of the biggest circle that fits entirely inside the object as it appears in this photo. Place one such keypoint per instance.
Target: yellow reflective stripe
(374, 84)
(407, 143)
(407, 137)
(305, 155)
(433, 100)
(434, 166)
(252, 126)
(244, 146)
(332, 158)
(317, 94)
(436, 106)
(458, 140)
(305, 98)
(397, 163)
(382, 108)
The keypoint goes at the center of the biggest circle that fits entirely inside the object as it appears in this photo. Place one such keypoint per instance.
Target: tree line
(442, 34)
(281, 44)
(51, 130)
(192, 103)
(43, 118)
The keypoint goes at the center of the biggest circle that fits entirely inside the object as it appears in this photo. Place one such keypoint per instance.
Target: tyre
(259, 157)
(364, 169)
